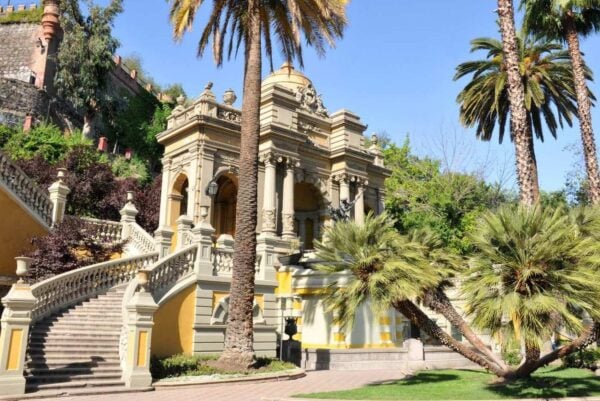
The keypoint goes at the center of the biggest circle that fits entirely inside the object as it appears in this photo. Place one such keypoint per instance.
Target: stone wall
(17, 44)
(19, 99)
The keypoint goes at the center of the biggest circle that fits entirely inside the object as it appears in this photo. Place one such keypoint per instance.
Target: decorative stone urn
(229, 97)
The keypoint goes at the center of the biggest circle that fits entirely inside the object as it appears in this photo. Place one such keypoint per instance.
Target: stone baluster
(287, 212)
(128, 214)
(58, 196)
(203, 233)
(140, 312)
(269, 226)
(16, 318)
(184, 227)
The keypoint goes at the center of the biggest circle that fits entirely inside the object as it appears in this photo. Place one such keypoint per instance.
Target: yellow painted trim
(15, 346)
(297, 337)
(385, 336)
(312, 291)
(384, 320)
(299, 321)
(285, 283)
(339, 337)
(347, 346)
(142, 348)
(297, 305)
(260, 300)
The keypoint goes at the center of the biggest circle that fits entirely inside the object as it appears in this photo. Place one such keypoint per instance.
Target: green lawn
(474, 385)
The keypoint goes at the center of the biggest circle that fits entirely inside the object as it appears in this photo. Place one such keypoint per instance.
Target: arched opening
(224, 205)
(178, 199)
(308, 207)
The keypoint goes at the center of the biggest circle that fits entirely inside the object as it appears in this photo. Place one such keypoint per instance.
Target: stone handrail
(140, 238)
(104, 230)
(166, 272)
(25, 188)
(71, 287)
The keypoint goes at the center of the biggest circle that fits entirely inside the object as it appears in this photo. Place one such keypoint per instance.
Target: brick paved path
(313, 382)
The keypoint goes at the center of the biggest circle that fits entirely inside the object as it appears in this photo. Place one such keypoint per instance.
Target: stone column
(203, 233)
(380, 201)
(128, 214)
(58, 195)
(140, 312)
(16, 318)
(269, 226)
(302, 228)
(287, 210)
(164, 192)
(344, 188)
(206, 176)
(359, 204)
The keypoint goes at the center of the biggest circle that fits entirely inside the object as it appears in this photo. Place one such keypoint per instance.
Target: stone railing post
(128, 214)
(140, 312)
(16, 318)
(265, 253)
(203, 233)
(163, 237)
(58, 196)
(184, 227)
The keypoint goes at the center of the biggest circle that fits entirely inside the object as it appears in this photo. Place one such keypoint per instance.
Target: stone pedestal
(163, 237)
(415, 349)
(16, 319)
(265, 253)
(58, 195)
(128, 215)
(140, 311)
(184, 228)
(203, 233)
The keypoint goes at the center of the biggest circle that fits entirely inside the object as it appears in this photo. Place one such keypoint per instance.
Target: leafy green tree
(85, 58)
(567, 20)
(534, 272)
(231, 25)
(420, 195)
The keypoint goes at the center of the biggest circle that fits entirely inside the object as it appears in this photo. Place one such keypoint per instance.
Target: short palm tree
(534, 271)
(566, 20)
(388, 270)
(231, 25)
(521, 135)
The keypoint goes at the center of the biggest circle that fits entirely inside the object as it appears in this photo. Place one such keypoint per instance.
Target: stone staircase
(77, 347)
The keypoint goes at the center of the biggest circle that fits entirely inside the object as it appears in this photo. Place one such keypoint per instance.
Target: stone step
(57, 362)
(57, 377)
(74, 324)
(73, 384)
(98, 308)
(89, 315)
(72, 368)
(84, 342)
(73, 335)
(79, 372)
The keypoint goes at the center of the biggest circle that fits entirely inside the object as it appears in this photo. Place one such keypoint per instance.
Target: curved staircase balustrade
(25, 188)
(222, 259)
(71, 287)
(104, 230)
(167, 272)
(141, 239)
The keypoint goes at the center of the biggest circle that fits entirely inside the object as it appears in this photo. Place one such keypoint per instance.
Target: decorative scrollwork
(311, 101)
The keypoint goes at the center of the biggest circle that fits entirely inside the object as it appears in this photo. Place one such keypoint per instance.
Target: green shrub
(511, 356)
(134, 168)
(587, 358)
(19, 17)
(180, 365)
(5, 134)
(46, 140)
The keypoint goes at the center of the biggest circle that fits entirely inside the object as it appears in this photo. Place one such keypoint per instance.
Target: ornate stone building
(309, 160)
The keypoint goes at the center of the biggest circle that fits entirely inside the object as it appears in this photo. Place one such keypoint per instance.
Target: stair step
(86, 315)
(83, 368)
(52, 362)
(44, 377)
(68, 344)
(76, 384)
(73, 335)
(64, 324)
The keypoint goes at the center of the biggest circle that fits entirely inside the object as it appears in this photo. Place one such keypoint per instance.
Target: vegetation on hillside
(21, 17)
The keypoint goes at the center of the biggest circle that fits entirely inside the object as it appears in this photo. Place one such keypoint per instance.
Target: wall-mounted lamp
(212, 189)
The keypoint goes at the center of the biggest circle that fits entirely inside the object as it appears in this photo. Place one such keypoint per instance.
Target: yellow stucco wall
(173, 331)
(16, 231)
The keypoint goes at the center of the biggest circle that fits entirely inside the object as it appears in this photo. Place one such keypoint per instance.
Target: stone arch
(309, 208)
(221, 311)
(224, 204)
(178, 198)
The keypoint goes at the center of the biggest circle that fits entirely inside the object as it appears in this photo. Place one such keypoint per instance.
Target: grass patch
(184, 365)
(474, 385)
(19, 17)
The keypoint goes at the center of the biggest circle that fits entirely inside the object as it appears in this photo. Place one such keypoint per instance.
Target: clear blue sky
(394, 68)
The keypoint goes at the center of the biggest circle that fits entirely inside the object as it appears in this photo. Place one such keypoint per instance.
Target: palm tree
(565, 20)
(248, 23)
(392, 270)
(522, 139)
(548, 82)
(535, 271)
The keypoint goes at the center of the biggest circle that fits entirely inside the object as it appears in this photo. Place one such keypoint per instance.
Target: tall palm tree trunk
(421, 320)
(524, 159)
(583, 109)
(239, 350)
(437, 301)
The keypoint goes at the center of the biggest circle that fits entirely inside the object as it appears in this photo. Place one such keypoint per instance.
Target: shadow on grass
(420, 378)
(550, 384)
